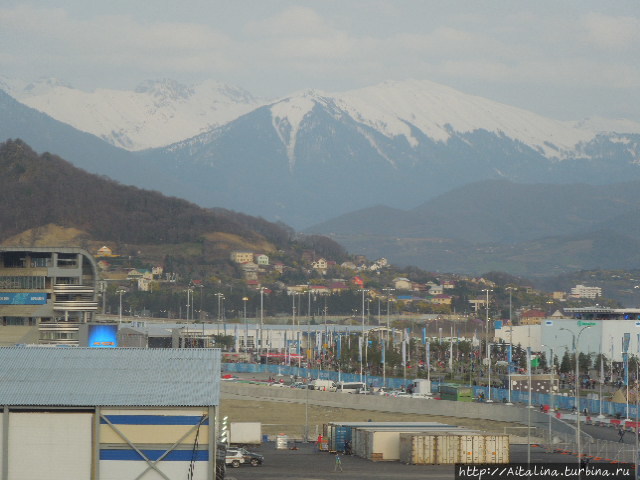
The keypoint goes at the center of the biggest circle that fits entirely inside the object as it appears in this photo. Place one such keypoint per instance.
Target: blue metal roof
(48, 376)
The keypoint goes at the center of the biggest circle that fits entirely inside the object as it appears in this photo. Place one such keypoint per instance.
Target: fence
(497, 394)
(560, 401)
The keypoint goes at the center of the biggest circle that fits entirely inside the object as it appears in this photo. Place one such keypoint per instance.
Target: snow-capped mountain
(155, 114)
(313, 155)
(398, 144)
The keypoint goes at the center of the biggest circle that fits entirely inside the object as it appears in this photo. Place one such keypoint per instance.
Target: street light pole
(486, 337)
(120, 292)
(388, 290)
(363, 339)
(576, 339)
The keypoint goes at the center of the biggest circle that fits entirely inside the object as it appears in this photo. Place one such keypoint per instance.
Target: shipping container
(338, 433)
(454, 448)
(383, 444)
(447, 449)
(456, 393)
(245, 433)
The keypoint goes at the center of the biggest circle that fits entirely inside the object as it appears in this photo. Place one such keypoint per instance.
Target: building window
(22, 283)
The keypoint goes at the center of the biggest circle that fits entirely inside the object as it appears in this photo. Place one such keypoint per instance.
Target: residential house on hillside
(532, 317)
(442, 299)
(349, 265)
(157, 271)
(448, 284)
(435, 289)
(250, 270)
(320, 266)
(241, 256)
(144, 283)
(278, 267)
(261, 259)
(104, 252)
(561, 296)
(418, 287)
(135, 274)
(401, 283)
(337, 287)
(382, 262)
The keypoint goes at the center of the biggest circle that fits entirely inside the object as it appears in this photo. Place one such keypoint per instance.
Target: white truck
(421, 388)
(323, 385)
(245, 433)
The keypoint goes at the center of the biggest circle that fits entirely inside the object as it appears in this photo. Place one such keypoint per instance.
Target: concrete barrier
(497, 411)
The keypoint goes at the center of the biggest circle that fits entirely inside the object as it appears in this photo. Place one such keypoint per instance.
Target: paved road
(307, 464)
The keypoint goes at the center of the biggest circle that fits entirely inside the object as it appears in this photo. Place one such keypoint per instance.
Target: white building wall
(524, 335)
(50, 446)
(596, 339)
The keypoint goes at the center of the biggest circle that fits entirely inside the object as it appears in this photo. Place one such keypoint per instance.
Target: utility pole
(388, 290)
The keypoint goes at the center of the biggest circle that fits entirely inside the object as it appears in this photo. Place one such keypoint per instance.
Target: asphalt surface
(306, 463)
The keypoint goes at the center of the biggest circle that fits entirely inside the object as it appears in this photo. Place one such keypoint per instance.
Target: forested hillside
(40, 190)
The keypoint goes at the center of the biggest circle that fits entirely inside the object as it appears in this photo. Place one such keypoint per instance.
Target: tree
(567, 364)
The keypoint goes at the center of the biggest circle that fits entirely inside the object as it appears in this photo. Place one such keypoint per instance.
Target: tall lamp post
(120, 291)
(246, 325)
(363, 339)
(388, 290)
(486, 336)
(220, 296)
(576, 340)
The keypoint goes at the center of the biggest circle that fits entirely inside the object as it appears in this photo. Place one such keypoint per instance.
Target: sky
(568, 59)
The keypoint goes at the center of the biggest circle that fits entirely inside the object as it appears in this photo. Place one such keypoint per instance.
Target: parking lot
(306, 463)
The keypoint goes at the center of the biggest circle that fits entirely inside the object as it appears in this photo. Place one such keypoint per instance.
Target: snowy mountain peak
(44, 85)
(156, 113)
(439, 111)
(606, 125)
(165, 90)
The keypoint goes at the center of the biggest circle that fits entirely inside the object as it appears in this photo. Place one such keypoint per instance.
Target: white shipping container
(448, 449)
(453, 448)
(245, 433)
(497, 449)
(418, 449)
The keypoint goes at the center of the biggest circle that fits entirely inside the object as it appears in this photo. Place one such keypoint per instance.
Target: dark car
(237, 456)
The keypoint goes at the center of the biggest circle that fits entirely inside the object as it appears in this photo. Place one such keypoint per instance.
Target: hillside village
(448, 296)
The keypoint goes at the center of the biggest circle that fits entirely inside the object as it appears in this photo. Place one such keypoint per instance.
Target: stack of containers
(450, 448)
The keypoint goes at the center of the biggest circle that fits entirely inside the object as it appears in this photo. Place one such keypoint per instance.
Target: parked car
(237, 456)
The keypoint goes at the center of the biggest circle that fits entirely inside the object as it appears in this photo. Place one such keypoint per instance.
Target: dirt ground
(289, 418)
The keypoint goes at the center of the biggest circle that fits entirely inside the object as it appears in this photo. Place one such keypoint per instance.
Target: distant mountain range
(313, 156)
(155, 114)
(530, 230)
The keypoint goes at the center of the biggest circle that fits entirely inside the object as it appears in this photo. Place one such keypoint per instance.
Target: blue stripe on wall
(173, 456)
(153, 420)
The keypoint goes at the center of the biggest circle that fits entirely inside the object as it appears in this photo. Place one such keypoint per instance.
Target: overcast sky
(564, 59)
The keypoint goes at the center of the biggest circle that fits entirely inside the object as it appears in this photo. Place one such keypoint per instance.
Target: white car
(237, 456)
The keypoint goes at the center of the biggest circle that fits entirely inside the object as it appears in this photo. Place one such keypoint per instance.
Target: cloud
(612, 33)
(104, 42)
(292, 22)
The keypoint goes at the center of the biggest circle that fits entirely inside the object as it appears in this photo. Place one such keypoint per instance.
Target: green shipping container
(456, 394)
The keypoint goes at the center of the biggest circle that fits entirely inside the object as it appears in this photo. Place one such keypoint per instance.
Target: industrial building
(51, 290)
(108, 414)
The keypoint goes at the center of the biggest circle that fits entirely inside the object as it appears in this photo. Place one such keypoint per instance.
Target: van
(323, 385)
(351, 387)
